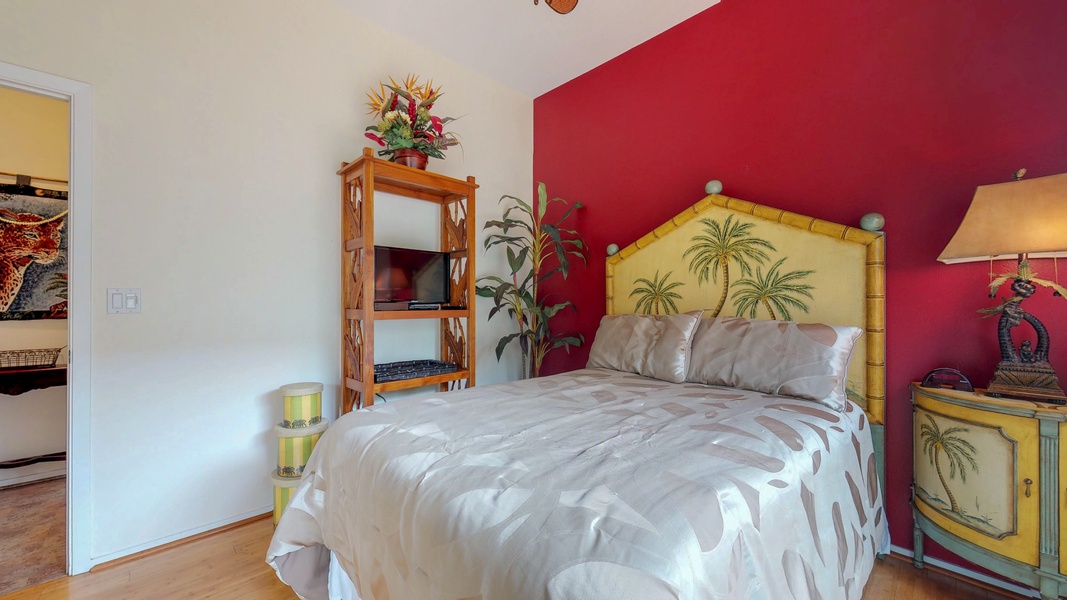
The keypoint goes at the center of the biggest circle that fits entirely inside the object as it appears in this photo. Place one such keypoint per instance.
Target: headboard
(778, 265)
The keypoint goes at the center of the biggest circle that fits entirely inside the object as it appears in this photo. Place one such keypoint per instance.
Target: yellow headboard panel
(777, 264)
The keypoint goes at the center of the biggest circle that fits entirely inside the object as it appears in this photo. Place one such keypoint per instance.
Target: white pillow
(803, 360)
(655, 346)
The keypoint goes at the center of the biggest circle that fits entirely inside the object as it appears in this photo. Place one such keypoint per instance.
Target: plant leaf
(504, 341)
(542, 203)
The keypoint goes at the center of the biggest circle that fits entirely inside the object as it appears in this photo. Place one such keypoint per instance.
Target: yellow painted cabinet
(986, 483)
(1061, 492)
(976, 475)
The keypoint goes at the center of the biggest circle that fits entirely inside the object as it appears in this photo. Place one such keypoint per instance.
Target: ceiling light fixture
(561, 6)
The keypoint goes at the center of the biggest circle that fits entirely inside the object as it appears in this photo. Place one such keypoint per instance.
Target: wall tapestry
(33, 253)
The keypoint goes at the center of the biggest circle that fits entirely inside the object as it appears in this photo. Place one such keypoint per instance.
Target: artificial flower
(404, 119)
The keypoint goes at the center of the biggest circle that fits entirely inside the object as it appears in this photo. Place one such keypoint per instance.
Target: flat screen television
(406, 278)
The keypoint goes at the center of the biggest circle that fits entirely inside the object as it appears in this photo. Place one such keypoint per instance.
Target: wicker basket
(29, 359)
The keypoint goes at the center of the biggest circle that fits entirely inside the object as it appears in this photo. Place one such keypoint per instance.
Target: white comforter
(590, 484)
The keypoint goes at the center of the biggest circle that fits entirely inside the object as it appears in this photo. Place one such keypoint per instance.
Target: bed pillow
(803, 360)
(655, 346)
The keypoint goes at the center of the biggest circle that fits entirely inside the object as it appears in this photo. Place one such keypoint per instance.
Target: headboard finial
(713, 187)
(873, 222)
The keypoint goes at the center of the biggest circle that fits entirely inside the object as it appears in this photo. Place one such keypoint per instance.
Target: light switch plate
(123, 300)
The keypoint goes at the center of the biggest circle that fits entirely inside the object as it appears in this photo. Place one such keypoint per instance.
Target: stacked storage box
(299, 431)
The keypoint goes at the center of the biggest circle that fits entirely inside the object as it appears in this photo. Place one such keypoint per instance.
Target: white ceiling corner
(529, 48)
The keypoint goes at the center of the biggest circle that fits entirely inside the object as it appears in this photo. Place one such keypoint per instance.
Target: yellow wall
(36, 134)
(40, 129)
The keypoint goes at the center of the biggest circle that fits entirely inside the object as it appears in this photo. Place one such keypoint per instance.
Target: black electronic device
(949, 379)
(410, 369)
(405, 278)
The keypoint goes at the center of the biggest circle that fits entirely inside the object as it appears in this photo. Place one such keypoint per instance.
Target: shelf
(32, 460)
(404, 384)
(406, 181)
(392, 315)
(455, 200)
(388, 315)
(19, 381)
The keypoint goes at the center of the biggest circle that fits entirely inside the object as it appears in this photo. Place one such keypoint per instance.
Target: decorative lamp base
(1030, 381)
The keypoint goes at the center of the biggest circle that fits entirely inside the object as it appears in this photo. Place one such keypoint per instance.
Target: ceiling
(529, 48)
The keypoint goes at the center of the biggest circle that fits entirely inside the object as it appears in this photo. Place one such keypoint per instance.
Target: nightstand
(986, 483)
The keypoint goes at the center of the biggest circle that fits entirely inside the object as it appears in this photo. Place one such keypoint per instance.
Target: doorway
(78, 96)
(34, 207)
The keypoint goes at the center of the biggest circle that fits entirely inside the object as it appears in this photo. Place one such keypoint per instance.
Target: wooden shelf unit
(360, 180)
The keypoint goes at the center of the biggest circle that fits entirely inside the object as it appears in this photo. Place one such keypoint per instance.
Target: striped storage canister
(283, 490)
(303, 404)
(295, 446)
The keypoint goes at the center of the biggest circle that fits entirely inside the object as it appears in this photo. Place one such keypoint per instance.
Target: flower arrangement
(404, 119)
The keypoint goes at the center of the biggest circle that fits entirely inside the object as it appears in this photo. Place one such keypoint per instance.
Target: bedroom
(206, 155)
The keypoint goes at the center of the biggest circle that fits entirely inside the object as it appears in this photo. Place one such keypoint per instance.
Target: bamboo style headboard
(778, 265)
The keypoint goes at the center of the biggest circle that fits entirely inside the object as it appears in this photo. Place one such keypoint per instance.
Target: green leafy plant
(536, 251)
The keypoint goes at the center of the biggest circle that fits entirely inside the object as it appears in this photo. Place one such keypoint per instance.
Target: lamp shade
(1005, 220)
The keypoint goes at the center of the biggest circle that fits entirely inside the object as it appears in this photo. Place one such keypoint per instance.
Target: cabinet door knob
(1028, 483)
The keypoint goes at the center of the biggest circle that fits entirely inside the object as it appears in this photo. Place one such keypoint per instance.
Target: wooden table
(19, 381)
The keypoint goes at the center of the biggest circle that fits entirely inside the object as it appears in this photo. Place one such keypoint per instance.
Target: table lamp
(1020, 219)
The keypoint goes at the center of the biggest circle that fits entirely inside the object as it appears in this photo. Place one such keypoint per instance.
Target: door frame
(79, 96)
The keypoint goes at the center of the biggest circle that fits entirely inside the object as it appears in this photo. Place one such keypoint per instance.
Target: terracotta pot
(410, 157)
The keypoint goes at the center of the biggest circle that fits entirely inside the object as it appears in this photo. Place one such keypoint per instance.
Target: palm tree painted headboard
(731, 257)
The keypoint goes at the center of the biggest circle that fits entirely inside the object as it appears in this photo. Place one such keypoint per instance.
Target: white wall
(36, 141)
(219, 127)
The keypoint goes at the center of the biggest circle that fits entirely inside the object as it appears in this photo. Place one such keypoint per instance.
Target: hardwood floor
(33, 533)
(229, 565)
(896, 579)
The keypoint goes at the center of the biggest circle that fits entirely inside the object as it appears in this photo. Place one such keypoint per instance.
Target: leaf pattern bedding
(589, 484)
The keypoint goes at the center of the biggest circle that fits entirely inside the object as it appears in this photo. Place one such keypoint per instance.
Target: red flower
(413, 110)
(376, 138)
(438, 126)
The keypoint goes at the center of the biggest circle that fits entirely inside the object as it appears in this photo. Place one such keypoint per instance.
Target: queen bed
(700, 454)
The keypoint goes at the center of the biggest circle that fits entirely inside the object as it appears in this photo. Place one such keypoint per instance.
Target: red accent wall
(832, 109)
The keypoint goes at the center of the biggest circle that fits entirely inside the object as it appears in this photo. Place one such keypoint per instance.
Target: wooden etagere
(360, 180)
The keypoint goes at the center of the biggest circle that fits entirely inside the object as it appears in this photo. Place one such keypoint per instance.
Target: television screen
(413, 276)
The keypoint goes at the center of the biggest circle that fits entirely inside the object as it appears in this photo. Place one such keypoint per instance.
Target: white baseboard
(178, 536)
(1004, 585)
(31, 473)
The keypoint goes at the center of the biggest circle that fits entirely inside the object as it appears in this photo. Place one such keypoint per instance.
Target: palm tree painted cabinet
(987, 475)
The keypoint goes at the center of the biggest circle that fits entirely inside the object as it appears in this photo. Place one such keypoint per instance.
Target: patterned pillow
(803, 360)
(655, 346)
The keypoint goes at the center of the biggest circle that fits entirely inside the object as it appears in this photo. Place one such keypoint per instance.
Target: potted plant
(405, 126)
(536, 251)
